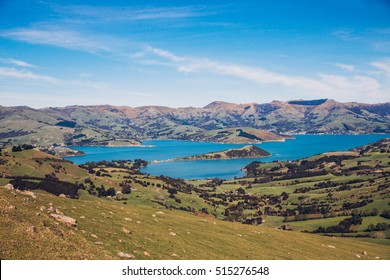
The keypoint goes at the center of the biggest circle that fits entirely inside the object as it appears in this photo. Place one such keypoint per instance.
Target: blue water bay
(162, 150)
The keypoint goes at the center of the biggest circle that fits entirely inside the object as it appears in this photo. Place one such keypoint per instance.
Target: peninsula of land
(248, 151)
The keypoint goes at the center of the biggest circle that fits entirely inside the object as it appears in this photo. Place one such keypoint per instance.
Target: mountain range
(220, 122)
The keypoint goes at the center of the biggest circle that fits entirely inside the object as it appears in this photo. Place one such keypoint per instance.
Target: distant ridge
(219, 122)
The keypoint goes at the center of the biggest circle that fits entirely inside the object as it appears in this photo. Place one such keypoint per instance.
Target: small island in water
(248, 151)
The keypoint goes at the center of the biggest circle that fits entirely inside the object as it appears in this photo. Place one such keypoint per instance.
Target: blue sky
(190, 53)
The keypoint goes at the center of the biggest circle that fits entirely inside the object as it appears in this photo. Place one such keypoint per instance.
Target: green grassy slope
(105, 228)
(149, 225)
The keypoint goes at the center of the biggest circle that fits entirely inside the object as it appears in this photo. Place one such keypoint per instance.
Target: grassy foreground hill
(121, 213)
(107, 230)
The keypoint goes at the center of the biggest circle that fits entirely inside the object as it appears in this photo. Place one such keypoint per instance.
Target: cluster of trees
(343, 227)
(98, 191)
(296, 169)
(125, 186)
(20, 148)
(313, 209)
(102, 173)
(131, 166)
(378, 227)
(385, 214)
(50, 184)
(177, 184)
(213, 183)
(358, 204)
(235, 214)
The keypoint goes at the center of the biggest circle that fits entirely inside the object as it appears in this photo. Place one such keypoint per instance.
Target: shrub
(16, 148)
(385, 214)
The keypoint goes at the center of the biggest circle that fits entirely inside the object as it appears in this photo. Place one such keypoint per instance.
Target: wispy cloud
(123, 14)
(346, 67)
(382, 46)
(384, 66)
(86, 75)
(60, 38)
(164, 54)
(347, 84)
(345, 34)
(17, 62)
(321, 84)
(25, 74)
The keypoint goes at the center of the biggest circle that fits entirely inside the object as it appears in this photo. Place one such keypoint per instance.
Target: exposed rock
(29, 193)
(9, 187)
(82, 217)
(125, 255)
(94, 236)
(331, 246)
(174, 255)
(146, 254)
(62, 196)
(160, 213)
(59, 212)
(32, 229)
(125, 230)
(128, 219)
(172, 233)
(365, 253)
(358, 256)
(64, 219)
(12, 207)
(42, 208)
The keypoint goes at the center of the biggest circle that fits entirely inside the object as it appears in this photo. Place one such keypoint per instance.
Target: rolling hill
(217, 122)
(329, 206)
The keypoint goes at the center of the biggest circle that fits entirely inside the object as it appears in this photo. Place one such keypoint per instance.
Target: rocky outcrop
(71, 222)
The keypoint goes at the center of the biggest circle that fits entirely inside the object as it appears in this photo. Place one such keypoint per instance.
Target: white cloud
(384, 66)
(60, 38)
(86, 75)
(28, 75)
(125, 14)
(25, 74)
(16, 62)
(317, 85)
(328, 85)
(355, 83)
(165, 54)
(346, 67)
